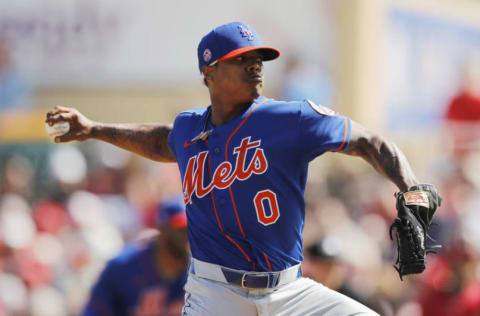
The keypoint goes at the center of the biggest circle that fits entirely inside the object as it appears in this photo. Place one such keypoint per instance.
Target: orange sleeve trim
(344, 137)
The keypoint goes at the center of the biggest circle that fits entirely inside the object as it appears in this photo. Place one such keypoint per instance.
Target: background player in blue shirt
(243, 162)
(147, 278)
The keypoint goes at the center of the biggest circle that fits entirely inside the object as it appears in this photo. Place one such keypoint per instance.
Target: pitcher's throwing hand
(80, 126)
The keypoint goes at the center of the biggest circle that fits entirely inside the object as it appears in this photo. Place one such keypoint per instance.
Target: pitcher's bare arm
(146, 139)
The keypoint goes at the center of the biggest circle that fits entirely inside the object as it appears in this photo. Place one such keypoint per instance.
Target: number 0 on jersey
(266, 199)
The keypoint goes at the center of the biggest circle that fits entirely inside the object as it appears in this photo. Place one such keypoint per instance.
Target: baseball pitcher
(244, 161)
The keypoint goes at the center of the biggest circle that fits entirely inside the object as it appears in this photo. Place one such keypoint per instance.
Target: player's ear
(208, 72)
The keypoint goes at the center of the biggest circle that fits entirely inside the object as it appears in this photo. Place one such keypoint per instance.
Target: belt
(244, 279)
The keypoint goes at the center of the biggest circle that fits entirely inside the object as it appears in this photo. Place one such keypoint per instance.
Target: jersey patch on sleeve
(321, 109)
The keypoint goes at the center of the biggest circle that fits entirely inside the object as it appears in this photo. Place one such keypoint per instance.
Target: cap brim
(268, 53)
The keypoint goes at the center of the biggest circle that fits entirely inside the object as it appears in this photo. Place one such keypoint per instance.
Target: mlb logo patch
(246, 32)
(320, 109)
(207, 55)
(419, 198)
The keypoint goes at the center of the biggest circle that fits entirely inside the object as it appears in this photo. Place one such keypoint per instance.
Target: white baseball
(58, 129)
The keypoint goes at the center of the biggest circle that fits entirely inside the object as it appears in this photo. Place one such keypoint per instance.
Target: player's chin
(256, 89)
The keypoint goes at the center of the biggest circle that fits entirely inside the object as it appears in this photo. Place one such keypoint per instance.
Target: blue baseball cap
(171, 212)
(230, 40)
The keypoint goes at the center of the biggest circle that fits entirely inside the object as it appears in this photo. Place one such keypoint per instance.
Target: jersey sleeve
(183, 123)
(321, 130)
(102, 299)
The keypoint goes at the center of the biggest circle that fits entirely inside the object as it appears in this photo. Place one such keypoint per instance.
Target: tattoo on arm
(147, 139)
(383, 155)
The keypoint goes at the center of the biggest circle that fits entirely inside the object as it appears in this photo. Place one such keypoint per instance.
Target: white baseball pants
(303, 297)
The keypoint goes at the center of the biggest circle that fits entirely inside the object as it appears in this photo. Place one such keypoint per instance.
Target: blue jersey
(244, 181)
(130, 285)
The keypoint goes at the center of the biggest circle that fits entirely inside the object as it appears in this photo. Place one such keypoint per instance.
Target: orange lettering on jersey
(221, 175)
(224, 176)
(241, 152)
(259, 164)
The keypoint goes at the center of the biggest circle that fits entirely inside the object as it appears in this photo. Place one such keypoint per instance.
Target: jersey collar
(207, 127)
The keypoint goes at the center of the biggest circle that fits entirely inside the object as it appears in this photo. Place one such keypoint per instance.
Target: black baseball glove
(415, 207)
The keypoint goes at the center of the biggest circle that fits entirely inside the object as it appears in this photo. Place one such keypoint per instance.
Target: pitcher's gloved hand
(415, 208)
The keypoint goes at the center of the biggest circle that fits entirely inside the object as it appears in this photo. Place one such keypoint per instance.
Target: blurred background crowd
(408, 69)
